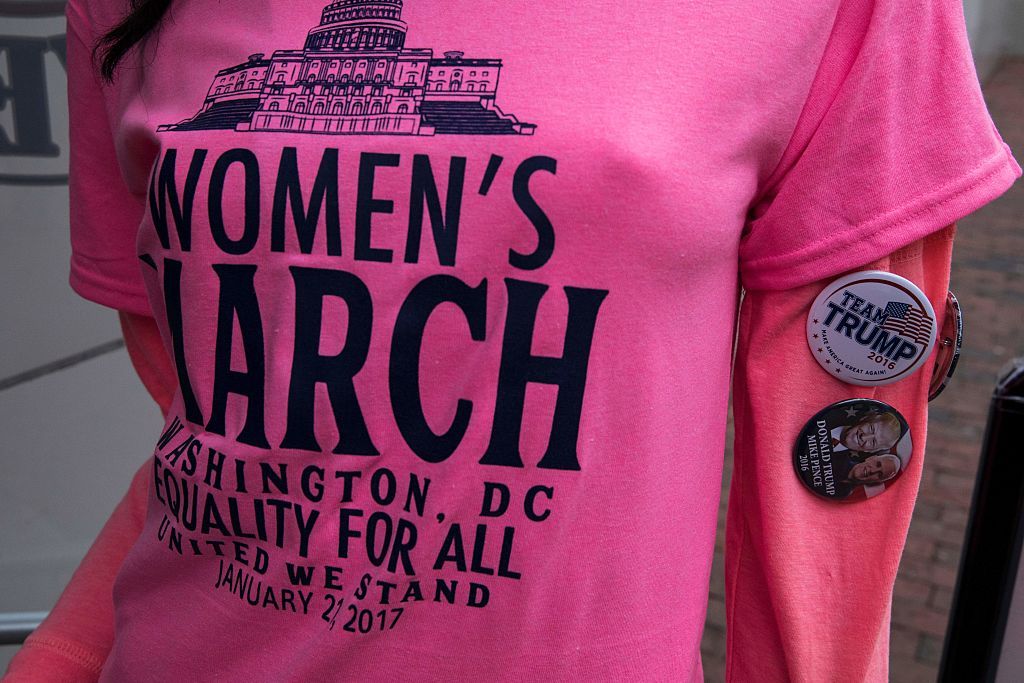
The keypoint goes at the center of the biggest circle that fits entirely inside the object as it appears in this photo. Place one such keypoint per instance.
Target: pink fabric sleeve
(104, 212)
(894, 142)
(809, 582)
(72, 643)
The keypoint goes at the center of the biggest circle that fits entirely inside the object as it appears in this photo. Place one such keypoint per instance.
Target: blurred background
(59, 354)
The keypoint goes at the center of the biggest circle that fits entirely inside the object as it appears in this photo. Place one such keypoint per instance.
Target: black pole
(992, 546)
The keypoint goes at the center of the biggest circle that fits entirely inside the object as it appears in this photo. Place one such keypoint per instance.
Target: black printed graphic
(313, 540)
(305, 477)
(363, 531)
(354, 75)
(852, 450)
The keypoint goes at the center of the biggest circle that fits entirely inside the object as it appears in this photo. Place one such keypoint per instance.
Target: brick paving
(988, 279)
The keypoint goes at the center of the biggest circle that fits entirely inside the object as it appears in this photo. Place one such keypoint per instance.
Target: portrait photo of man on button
(853, 450)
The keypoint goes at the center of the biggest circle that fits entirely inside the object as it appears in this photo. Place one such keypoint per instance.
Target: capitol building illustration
(354, 75)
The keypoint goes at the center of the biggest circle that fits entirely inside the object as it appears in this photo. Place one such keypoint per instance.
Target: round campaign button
(852, 450)
(951, 338)
(871, 328)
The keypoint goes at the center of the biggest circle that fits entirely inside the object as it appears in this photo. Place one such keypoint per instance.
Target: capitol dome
(359, 25)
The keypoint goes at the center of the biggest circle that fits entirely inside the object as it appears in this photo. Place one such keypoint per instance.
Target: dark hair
(142, 18)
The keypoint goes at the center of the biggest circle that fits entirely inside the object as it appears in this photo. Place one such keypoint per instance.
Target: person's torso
(450, 287)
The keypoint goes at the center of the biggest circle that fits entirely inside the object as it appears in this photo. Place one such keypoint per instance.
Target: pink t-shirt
(450, 290)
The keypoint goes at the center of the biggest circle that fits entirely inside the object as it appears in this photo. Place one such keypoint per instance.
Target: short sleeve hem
(48, 658)
(92, 284)
(872, 239)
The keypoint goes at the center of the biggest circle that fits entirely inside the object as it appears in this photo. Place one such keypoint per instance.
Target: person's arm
(809, 582)
(72, 643)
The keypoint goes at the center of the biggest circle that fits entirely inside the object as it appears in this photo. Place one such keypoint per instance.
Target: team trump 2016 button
(871, 328)
(852, 450)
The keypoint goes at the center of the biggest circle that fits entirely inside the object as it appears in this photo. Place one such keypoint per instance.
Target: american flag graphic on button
(908, 321)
